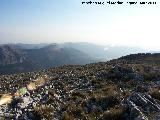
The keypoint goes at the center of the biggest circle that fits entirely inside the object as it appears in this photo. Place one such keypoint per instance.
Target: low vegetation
(115, 90)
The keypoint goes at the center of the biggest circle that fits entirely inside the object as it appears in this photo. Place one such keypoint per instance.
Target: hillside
(11, 55)
(123, 89)
(148, 58)
(15, 59)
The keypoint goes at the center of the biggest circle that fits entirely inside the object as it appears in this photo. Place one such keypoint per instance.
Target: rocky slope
(120, 89)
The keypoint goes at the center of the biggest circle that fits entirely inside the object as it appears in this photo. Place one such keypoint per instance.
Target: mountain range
(15, 58)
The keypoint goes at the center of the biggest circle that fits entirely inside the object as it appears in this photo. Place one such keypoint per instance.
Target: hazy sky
(40, 21)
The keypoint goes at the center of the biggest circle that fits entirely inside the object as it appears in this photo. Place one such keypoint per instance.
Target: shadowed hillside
(14, 59)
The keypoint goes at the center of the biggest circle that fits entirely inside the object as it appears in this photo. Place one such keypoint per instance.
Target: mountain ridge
(31, 57)
(15, 59)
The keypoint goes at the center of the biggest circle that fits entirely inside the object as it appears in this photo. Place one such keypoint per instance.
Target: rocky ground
(120, 89)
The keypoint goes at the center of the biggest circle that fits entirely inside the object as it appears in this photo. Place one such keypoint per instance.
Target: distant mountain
(54, 55)
(11, 55)
(100, 52)
(32, 46)
(96, 51)
(104, 52)
(29, 57)
(14, 59)
(27, 46)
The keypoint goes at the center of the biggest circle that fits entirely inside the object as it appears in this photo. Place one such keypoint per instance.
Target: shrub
(72, 112)
(78, 94)
(116, 113)
(45, 112)
(155, 93)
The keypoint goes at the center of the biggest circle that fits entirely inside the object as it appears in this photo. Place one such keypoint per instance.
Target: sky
(56, 21)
